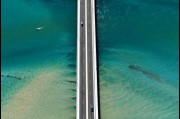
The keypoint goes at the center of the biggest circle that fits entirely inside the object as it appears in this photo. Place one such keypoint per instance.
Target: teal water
(47, 56)
(138, 58)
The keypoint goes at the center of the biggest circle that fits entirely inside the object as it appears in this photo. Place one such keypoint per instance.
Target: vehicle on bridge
(82, 24)
(92, 109)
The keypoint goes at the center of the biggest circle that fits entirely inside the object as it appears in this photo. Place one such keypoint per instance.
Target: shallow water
(41, 59)
(130, 32)
(143, 34)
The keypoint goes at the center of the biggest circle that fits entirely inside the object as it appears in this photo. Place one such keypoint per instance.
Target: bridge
(87, 90)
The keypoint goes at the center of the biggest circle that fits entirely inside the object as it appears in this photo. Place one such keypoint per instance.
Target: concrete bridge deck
(87, 95)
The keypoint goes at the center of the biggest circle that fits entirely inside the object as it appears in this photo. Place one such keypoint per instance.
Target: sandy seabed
(43, 98)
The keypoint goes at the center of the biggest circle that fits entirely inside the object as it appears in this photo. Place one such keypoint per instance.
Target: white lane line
(87, 116)
(94, 61)
(78, 63)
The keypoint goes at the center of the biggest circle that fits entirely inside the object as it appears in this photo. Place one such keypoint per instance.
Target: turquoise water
(138, 58)
(47, 56)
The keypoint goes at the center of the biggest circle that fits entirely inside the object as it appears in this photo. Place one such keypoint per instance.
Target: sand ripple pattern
(129, 94)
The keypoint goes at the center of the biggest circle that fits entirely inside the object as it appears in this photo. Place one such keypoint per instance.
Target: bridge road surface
(82, 78)
(86, 61)
(90, 60)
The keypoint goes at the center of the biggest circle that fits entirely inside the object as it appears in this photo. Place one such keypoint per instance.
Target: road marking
(94, 61)
(78, 63)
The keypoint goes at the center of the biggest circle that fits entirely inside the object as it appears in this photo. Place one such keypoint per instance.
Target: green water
(28, 54)
(142, 34)
(131, 33)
